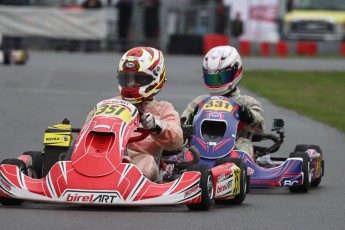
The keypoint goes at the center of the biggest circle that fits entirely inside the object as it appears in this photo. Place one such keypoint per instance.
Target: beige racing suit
(243, 138)
(145, 153)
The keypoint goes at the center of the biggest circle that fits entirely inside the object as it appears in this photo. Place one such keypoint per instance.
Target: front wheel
(306, 171)
(206, 185)
(22, 167)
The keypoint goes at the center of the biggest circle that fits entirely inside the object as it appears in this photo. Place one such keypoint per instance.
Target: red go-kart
(95, 171)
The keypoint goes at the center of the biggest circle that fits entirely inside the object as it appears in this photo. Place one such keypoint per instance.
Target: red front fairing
(100, 147)
(101, 144)
(96, 174)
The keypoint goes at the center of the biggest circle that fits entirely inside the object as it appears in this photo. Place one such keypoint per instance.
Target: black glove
(246, 115)
(191, 116)
(183, 120)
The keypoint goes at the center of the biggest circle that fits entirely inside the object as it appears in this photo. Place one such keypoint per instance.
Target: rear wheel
(22, 167)
(306, 171)
(244, 181)
(303, 148)
(206, 185)
(37, 162)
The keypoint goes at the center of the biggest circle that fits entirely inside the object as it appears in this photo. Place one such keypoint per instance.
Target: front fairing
(124, 186)
(216, 127)
(100, 147)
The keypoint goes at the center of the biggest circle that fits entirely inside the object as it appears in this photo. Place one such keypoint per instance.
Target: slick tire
(244, 181)
(306, 171)
(303, 148)
(37, 162)
(206, 185)
(22, 167)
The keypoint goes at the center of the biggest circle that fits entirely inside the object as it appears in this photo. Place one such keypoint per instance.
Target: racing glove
(191, 116)
(246, 115)
(183, 120)
(148, 121)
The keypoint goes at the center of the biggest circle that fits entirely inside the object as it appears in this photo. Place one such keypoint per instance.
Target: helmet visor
(134, 80)
(217, 79)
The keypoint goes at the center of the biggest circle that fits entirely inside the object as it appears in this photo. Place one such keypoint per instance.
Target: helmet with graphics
(141, 74)
(222, 70)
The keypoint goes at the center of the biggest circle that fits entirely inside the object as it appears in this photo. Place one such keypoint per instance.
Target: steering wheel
(144, 134)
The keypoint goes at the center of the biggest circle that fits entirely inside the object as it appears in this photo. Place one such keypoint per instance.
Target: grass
(319, 95)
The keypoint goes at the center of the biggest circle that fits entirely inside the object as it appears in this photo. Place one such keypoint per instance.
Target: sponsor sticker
(88, 197)
(290, 183)
(222, 187)
(191, 191)
(250, 171)
(130, 64)
(224, 177)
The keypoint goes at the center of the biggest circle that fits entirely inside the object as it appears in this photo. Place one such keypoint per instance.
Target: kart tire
(37, 162)
(206, 185)
(303, 148)
(306, 171)
(244, 183)
(22, 167)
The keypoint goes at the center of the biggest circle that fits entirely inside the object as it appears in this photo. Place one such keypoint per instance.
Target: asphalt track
(53, 86)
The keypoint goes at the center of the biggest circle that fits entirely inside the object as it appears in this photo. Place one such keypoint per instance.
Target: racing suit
(145, 153)
(243, 138)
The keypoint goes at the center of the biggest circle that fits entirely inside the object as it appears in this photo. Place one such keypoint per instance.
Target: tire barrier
(183, 45)
(291, 48)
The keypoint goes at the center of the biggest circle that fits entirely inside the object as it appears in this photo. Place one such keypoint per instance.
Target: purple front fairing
(215, 129)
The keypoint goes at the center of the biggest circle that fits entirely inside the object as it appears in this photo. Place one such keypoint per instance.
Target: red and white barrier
(278, 49)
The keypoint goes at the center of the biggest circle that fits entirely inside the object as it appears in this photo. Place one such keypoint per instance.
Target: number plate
(218, 105)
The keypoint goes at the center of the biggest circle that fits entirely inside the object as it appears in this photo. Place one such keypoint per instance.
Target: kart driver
(222, 71)
(141, 75)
